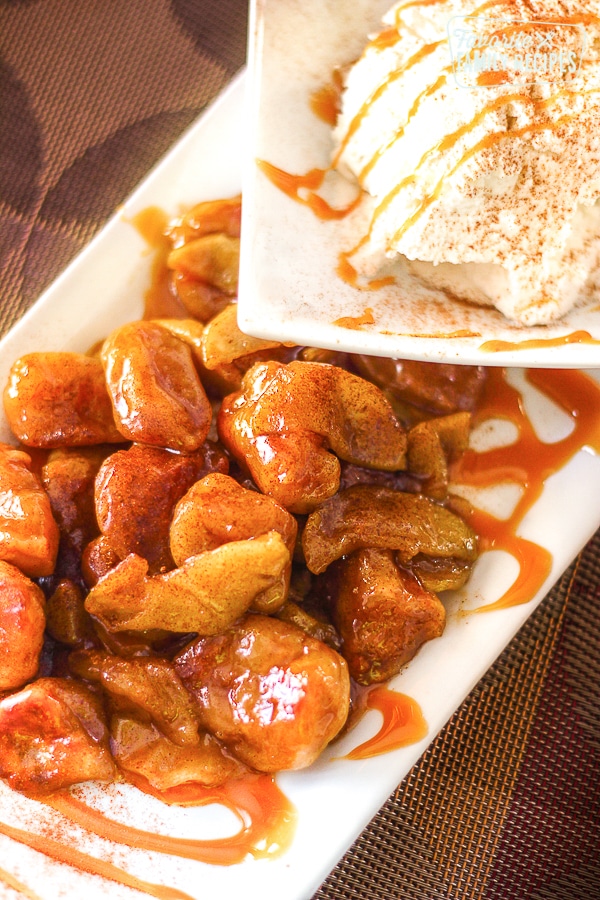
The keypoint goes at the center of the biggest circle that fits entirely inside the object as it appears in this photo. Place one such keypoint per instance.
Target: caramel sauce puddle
(528, 462)
(325, 101)
(160, 300)
(356, 323)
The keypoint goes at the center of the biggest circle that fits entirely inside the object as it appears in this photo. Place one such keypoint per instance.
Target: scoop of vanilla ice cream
(489, 190)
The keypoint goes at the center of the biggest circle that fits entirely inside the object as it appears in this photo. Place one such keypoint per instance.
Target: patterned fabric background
(505, 805)
(92, 93)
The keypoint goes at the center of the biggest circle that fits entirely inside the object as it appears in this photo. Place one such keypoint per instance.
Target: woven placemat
(92, 94)
(506, 802)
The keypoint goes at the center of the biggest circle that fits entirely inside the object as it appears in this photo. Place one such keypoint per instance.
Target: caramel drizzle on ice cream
(303, 188)
(388, 38)
(487, 142)
(428, 92)
(356, 122)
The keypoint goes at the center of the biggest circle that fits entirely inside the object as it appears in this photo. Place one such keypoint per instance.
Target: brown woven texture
(506, 802)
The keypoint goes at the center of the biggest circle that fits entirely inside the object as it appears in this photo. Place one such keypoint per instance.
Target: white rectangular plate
(336, 798)
(288, 283)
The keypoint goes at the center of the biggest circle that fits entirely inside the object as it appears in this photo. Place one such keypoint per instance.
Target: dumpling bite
(271, 693)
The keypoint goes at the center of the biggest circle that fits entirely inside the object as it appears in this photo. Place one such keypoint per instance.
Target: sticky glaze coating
(382, 612)
(22, 624)
(135, 513)
(157, 396)
(367, 516)
(291, 424)
(205, 594)
(52, 734)
(272, 694)
(218, 510)
(184, 604)
(59, 400)
(28, 532)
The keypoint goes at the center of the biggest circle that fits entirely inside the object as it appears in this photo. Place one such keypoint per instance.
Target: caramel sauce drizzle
(382, 41)
(427, 92)
(356, 122)
(580, 18)
(385, 39)
(438, 335)
(16, 885)
(266, 817)
(489, 79)
(291, 184)
(65, 853)
(487, 142)
(493, 78)
(403, 723)
(325, 102)
(311, 182)
(267, 824)
(160, 301)
(575, 337)
(348, 273)
(527, 462)
(356, 322)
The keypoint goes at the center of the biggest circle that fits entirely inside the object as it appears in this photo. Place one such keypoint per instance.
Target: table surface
(506, 802)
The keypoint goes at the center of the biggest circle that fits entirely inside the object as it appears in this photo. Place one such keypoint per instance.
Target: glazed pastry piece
(59, 400)
(289, 424)
(382, 612)
(145, 756)
(149, 685)
(136, 491)
(29, 535)
(22, 623)
(205, 594)
(218, 510)
(53, 735)
(424, 388)
(156, 393)
(271, 693)
(68, 478)
(365, 516)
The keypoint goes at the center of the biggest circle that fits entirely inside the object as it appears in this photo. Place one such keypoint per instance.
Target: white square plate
(336, 797)
(288, 283)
